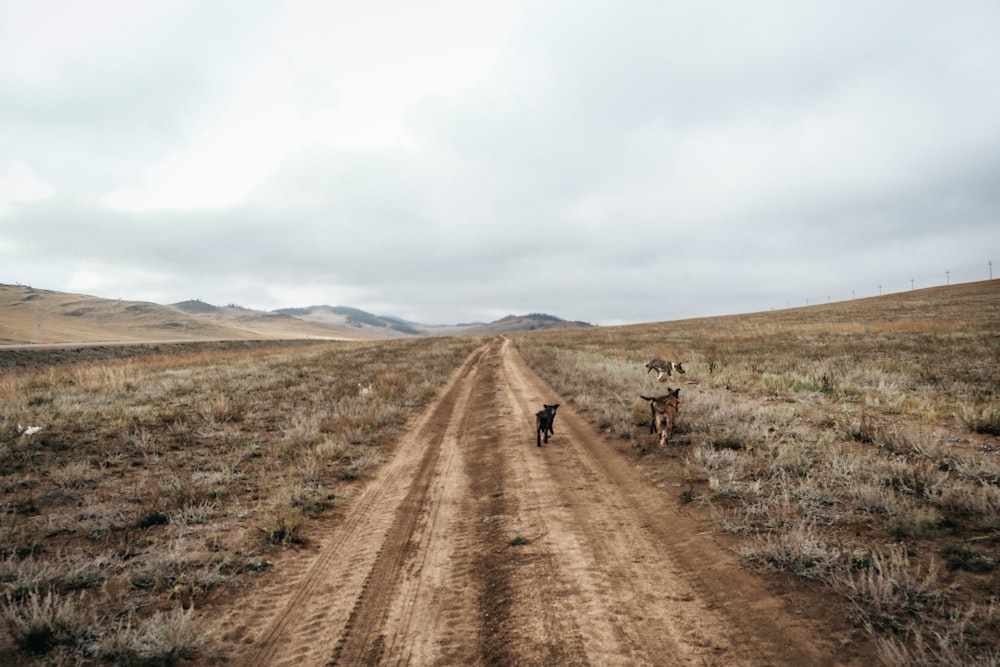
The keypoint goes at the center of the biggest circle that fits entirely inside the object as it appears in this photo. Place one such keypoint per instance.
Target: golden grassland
(852, 446)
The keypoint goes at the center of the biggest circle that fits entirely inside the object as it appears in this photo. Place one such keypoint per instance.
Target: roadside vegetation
(849, 446)
(138, 487)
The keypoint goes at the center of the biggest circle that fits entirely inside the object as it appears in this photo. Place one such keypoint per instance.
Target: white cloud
(116, 281)
(339, 76)
(38, 37)
(378, 59)
(226, 161)
(18, 183)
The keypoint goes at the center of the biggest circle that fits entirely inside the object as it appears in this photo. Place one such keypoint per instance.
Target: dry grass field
(847, 449)
(850, 448)
(140, 486)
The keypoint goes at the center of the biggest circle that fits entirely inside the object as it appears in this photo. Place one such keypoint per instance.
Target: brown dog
(664, 413)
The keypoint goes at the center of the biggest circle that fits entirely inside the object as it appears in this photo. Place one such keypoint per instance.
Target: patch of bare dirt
(473, 546)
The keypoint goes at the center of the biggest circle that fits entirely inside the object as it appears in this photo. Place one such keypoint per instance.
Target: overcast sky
(450, 161)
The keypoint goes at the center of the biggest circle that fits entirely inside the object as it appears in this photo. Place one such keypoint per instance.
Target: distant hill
(383, 326)
(359, 320)
(30, 315)
(530, 322)
(196, 307)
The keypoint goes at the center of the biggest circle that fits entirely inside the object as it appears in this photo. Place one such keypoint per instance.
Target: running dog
(664, 413)
(543, 422)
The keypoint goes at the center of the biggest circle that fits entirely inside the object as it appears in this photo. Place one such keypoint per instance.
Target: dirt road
(475, 547)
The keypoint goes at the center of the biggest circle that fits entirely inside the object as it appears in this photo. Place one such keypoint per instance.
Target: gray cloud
(615, 163)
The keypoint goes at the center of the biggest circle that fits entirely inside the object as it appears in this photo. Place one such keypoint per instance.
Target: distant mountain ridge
(196, 307)
(383, 325)
(357, 318)
(30, 315)
(530, 322)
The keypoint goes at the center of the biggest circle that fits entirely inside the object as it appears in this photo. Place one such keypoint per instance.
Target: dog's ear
(677, 392)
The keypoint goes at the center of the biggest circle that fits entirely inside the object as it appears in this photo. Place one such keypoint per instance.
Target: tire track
(401, 568)
(319, 610)
(575, 592)
(434, 617)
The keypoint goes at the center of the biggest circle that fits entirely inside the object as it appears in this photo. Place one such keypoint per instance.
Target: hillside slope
(36, 316)
(31, 315)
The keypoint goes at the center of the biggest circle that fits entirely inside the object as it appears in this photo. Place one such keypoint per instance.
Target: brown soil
(472, 546)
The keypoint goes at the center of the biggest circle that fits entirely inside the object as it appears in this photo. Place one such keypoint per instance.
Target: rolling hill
(31, 315)
(36, 316)
(345, 317)
(530, 322)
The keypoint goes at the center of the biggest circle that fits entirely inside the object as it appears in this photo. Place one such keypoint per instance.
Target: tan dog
(663, 368)
(664, 413)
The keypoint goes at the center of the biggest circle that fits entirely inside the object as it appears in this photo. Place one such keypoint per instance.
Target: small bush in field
(981, 420)
(961, 557)
(162, 639)
(283, 528)
(926, 520)
(153, 518)
(41, 621)
(801, 551)
(864, 429)
(362, 459)
(887, 593)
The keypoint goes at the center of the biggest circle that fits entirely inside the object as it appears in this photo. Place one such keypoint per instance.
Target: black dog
(543, 422)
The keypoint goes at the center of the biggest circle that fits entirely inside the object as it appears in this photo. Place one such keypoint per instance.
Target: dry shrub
(362, 459)
(887, 594)
(963, 497)
(332, 450)
(39, 622)
(75, 475)
(282, 526)
(801, 550)
(980, 419)
(979, 470)
(161, 639)
(957, 646)
(876, 498)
